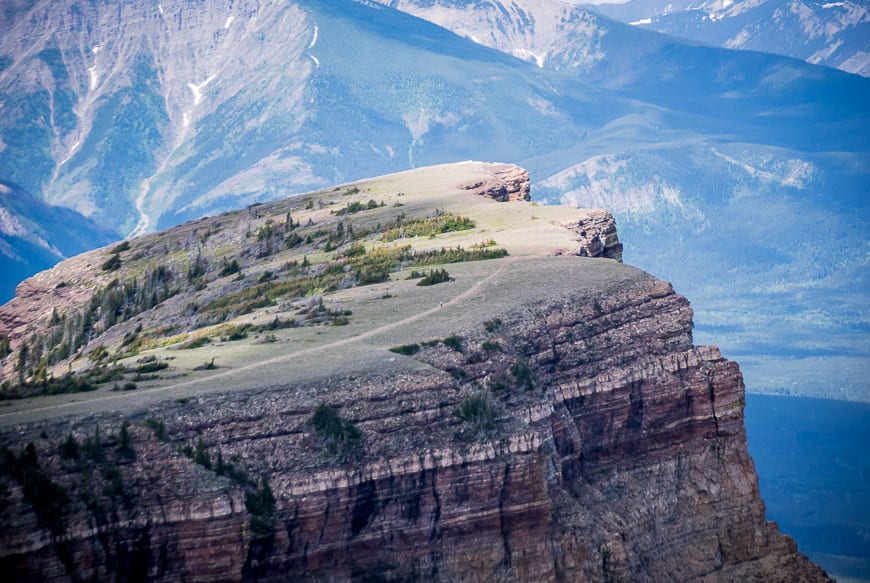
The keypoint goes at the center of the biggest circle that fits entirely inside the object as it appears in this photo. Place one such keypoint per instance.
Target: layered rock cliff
(541, 416)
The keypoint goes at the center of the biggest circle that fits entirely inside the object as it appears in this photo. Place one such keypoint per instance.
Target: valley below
(812, 471)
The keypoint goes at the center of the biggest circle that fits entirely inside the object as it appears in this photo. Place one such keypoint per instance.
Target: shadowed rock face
(552, 422)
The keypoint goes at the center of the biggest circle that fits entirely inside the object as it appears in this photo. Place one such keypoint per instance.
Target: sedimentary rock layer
(617, 452)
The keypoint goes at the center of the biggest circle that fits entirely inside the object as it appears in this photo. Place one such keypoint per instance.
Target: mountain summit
(423, 376)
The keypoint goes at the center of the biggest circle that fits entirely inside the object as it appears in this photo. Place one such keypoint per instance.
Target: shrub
(523, 374)
(435, 277)
(158, 427)
(125, 444)
(371, 274)
(478, 410)
(230, 470)
(70, 449)
(355, 250)
(406, 349)
(445, 223)
(113, 263)
(265, 230)
(114, 483)
(496, 383)
(229, 268)
(195, 343)
(492, 325)
(339, 320)
(261, 504)
(152, 366)
(293, 240)
(341, 435)
(239, 332)
(454, 342)
(94, 447)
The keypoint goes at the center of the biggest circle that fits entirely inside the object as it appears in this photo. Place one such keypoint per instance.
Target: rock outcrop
(507, 183)
(537, 418)
(597, 236)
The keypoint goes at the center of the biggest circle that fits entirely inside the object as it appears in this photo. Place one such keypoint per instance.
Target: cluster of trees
(69, 331)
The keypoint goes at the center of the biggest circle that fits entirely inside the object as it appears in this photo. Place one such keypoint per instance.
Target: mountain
(740, 176)
(35, 235)
(420, 377)
(834, 34)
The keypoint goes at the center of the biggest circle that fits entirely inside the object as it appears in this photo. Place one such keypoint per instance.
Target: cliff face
(539, 418)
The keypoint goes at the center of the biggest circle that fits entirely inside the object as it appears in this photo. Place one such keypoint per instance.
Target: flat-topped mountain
(419, 377)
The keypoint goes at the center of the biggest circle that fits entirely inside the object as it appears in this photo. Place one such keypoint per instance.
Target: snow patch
(825, 52)
(833, 4)
(859, 63)
(641, 21)
(542, 106)
(228, 22)
(314, 40)
(160, 9)
(94, 79)
(792, 172)
(9, 225)
(527, 55)
(96, 49)
(197, 89)
(144, 218)
(738, 41)
(316, 60)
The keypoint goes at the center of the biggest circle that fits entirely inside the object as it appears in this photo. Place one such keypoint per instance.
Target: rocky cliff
(536, 414)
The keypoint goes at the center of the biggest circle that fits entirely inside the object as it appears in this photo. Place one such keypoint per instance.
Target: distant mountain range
(741, 176)
(35, 235)
(831, 33)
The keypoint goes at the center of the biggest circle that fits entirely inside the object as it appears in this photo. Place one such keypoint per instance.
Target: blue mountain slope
(835, 34)
(35, 236)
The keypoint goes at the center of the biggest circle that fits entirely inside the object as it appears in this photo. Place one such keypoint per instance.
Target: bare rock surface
(542, 416)
(508, 182)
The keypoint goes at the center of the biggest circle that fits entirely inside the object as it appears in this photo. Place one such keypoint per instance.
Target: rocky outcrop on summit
(597, 236)
(508, 183)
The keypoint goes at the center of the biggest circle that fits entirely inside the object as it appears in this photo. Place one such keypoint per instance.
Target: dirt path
(8, 417)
